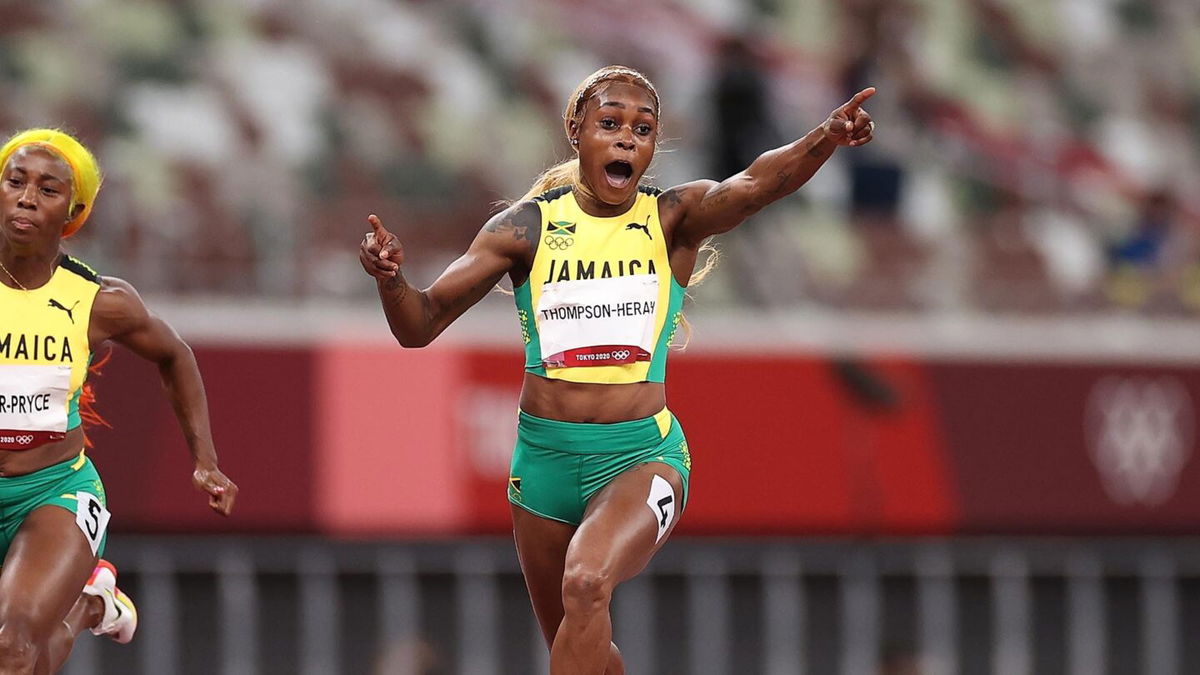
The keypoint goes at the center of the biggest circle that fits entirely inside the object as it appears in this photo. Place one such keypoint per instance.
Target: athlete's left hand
(222, 492)
(849, 124)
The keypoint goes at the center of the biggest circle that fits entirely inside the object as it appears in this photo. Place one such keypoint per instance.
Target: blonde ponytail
(563, 173)
(712, 256)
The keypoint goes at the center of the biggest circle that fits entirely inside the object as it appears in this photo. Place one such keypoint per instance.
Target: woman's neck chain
(13, 277)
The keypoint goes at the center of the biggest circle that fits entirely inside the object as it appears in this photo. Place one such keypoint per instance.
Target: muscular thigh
(542, 548)
(628, 521)
(47, 565)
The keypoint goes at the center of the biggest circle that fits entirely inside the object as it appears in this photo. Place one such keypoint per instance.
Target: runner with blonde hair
(599, 264)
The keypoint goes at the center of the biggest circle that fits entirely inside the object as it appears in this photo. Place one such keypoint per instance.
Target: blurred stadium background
(941, 402)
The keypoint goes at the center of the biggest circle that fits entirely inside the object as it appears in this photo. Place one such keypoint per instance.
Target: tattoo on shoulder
(672, 198)
(496, 223)
(522, 220)
(527, 224)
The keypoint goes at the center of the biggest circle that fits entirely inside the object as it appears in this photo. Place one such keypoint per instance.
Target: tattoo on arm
(397, 283)
(781, 186)
(523, 221)
(672, 197)
(720, 195)
(522, 232)
(527, 226)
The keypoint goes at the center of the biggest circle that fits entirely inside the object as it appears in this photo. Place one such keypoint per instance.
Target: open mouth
(618, 173)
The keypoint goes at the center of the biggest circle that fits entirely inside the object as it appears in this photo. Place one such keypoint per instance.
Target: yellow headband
(85, 172)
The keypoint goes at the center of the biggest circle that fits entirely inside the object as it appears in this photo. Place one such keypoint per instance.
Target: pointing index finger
(858, 99)
(382, 236)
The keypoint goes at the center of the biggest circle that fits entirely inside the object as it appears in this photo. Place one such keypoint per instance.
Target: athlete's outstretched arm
(119, 314)
(416, 317)
(709, 207)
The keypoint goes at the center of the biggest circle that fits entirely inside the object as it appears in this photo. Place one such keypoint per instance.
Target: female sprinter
(599, 264)
(53, 311)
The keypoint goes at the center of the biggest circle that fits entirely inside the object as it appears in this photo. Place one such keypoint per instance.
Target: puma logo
(70, 312)
(643, 227)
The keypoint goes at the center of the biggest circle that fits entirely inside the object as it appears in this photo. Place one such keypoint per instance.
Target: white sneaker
(120, 616)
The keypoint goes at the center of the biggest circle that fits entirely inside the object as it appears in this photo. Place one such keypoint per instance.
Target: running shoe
(120, 616)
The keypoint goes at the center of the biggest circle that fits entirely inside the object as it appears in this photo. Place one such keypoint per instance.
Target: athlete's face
(616, 140)
(35, 197)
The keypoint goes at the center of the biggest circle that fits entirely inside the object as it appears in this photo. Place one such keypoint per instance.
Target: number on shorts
(662, 509)
(661, 501)
(91, 517)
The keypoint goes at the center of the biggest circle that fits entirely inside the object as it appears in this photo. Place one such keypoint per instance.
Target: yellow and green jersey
(44, 355)
(600, 304)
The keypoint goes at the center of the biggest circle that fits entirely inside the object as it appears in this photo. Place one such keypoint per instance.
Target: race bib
(661, 501)
(33, 404)
(91, 517)
(597, 322)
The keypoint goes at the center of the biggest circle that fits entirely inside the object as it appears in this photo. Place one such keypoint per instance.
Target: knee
(18, 645)
(585, 589)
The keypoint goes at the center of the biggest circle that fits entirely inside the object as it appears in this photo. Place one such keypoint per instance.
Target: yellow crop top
(44, 355)
(601, 304)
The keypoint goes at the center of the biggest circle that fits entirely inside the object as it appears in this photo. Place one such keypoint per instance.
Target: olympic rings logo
(24, 439)
(621, 354)
(559, 242)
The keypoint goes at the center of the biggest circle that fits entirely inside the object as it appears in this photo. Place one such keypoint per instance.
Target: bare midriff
(589, 402)
(21, 462)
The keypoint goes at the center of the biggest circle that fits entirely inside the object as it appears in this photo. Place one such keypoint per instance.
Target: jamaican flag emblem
(560, 227)
(514, 487)
(559, 235)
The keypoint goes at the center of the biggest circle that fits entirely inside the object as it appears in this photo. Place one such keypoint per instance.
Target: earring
(574, 141)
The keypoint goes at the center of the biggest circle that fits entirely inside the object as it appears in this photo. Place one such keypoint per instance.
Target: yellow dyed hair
(85, 172)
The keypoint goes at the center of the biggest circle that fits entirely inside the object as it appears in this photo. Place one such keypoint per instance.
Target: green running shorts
(74, 485)
(558, 466)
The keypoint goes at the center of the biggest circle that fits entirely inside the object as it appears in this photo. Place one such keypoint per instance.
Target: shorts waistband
(587, 438)
(54, 471)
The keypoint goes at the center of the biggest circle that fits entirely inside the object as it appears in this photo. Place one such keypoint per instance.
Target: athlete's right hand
(380, 252)
(222, 492)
